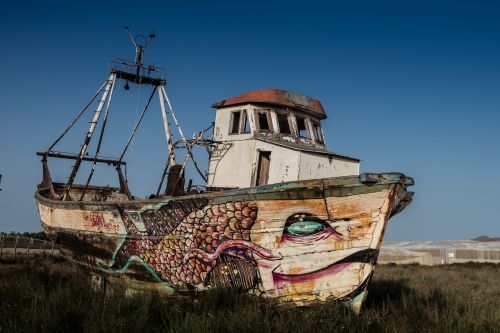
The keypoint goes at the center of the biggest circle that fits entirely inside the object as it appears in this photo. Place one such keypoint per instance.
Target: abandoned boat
(280, 215)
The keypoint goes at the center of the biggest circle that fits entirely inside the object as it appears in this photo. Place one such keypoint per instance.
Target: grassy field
(53, 297)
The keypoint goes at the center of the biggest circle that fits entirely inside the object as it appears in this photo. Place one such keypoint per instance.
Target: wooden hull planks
(300, 241)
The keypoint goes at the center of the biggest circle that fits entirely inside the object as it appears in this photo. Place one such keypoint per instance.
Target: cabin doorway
(263, 168)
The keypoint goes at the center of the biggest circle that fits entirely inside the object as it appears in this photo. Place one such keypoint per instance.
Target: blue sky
(410, 87)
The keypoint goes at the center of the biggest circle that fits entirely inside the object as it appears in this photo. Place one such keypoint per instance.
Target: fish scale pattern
(205, 229)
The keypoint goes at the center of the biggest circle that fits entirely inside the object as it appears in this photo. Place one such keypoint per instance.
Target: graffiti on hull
(97, 220)
(192, 243)
(189, 242)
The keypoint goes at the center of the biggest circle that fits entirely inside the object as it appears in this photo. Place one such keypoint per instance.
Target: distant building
(439, 252)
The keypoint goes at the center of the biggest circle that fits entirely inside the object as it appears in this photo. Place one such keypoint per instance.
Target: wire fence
(18, 247)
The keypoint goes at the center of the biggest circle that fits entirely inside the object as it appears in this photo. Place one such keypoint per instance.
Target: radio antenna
(140, 43)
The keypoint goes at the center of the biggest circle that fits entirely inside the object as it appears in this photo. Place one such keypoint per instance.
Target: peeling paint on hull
(300, 241)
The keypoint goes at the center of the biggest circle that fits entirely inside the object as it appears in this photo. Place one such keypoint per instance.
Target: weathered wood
(301, 249)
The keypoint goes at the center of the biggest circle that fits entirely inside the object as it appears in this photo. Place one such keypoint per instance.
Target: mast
(103, 128)
(135, 73)
(89, 134)
(166, 126)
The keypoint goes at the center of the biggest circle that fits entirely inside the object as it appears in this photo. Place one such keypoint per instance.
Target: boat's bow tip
(373, 178)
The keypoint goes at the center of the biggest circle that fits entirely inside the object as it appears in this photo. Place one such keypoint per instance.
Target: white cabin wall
(233, 167)
(223, 122)
(238, 166)
(321, 166)
(284, 162)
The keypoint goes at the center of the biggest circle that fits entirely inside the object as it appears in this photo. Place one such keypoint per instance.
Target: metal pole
(173, 113)
(189, 151)
(106, 113)
(88, 136)
(167, 127)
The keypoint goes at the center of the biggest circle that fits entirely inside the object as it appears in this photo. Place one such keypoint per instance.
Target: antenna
(140, 42)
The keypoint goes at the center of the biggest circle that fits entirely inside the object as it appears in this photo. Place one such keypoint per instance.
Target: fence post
(28, 251)
(15, 247)
(1, 245)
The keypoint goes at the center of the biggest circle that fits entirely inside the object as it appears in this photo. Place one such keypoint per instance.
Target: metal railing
(19, 247)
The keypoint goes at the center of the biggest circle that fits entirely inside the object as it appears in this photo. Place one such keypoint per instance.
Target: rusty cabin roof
(278, 97)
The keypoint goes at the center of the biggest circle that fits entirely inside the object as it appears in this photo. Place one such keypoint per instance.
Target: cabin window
(284, 124)
(239, 122)
(263, 120)
(302, 128)
(235, 122)
(317, 132)
(245, 126)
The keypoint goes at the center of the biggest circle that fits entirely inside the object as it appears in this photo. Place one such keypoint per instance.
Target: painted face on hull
(313, 261)
(320, 257)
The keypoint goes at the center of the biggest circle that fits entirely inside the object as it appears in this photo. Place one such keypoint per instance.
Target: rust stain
(276, 97)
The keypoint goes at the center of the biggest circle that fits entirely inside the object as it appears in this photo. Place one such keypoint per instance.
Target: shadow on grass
(383, 291)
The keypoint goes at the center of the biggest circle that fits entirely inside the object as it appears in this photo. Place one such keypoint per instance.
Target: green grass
(53, 297)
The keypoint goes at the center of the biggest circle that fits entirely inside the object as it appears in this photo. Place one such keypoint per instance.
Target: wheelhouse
(271, 136)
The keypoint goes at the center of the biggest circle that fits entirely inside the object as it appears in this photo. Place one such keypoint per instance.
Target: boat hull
(299, 241)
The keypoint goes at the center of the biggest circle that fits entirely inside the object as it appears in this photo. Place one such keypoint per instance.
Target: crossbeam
(84, 158)
(139, 79)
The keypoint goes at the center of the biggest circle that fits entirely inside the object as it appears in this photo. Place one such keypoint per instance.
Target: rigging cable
(137, 125)
(131, 154)
(167, 164)
(78, 116)
(189, 149)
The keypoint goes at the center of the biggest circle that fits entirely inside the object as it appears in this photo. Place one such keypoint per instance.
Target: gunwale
(306, 189)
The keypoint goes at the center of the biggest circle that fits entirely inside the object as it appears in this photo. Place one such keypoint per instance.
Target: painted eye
(304, 228)
(304, 224)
